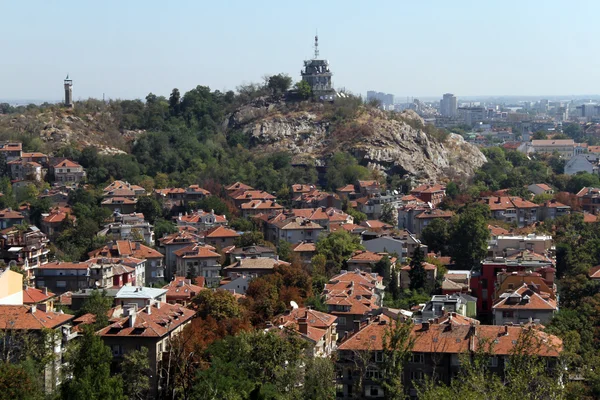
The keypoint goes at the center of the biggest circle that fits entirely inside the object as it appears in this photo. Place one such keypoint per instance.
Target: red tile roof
(33, 296)
(181, 288)
(197, 251)
(594, 272)
(67, 164)
(221, 232)
(24, 317)
(125, 248)
(317, 322)
(524, 299)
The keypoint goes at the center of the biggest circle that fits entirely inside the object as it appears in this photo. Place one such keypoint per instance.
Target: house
(113, 273)
(365, 260)
(140, 296)
(524, 304)
(564, 147)
(351, 295)
(316, 198)
(11, 287)
(512, 210)
(26, 248)
(553, 209)
(255, 207)
(258, 266)
(508, 245)
(403, 244)
(373, 206)
(173, 242)
(123, 205)
(322, 215)
(60, 276)
(368, 188)
(199, 260)
(582, 163)
(317, 328)
(9, 217)
(56, 197)
(37, 157)
(152, 326)
(129, 227)
(201, 220)
(348, 192)
(11, 150)
(195, 193)
(41, 298)
(457, 282)
(238, 253)
(459, 303)
(433, 194)
(68, 172)
(155, 270)
(589, 199)
(376, 225)
(436, 352)
(540, 188)
(300, 188)
(543, 279)
(236, 283)
(430, 269)
(594, 273)
(221, 237)
(123, 189)
(237, 186)
(305, 250)
(181, 290)
(296, 229)
(54, 222)
(21, 170)
(424, 218)
(242, 196)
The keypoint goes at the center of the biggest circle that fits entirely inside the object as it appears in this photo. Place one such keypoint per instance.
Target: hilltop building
(68, 92)
(317, 74)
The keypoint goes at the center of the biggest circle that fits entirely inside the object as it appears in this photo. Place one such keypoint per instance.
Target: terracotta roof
(119, 200)
(304, 247)
(264, 263)
(197, 189)
(298, 223)
(196, 217)
(221, 232)
(182, 288)
(244, 194)
(237, 186)
(496, 230)
(429, 189)
(368, 183)
(594, 272)
(435, 213)
(123, 185)
(543, 186)
(587, 217)
(33, 296)
(23, 317)
(162, 319)
(302, 188)
(427, 266)
(524, 298)
(555, 204)
(197, 251)
(594, 149)
(64, 265)
(125, 248)
(346, 189)
(375, 224)
(317, 322)
(8, 213)
(67, 164)
(58, 214)
(553, 142)
(366, 255)
(261, 205)
(179, 237)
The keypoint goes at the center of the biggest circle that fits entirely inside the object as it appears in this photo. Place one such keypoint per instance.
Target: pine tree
(417, 273)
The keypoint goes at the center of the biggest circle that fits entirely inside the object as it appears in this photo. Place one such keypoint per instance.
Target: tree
(435, 235)
(540, 135)
(219, 304)
(279, 84)
(397, 349)
(174, 102)
(389, 214)
(90, 369)
(163, 227)
(319, 379)
(452, 190)
(98, 304)
(417, 273)
(469, 235)
(150, 207)
(284, 250)
(337, 247)
(384, 268)
(135, 371)
(356, 215)
(16, 383)
(252, 238)
(304, 89)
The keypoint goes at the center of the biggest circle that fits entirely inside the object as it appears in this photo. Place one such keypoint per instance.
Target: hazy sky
(128, 48)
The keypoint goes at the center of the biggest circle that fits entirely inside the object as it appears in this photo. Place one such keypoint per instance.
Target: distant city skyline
(129, 49)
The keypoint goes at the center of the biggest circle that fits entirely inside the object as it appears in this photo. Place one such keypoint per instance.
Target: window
(508, 314)
(341, 320)
(379, 356)
(416, 375)
(373, 373)
(493, 362)
(374, 391)
(116, 349)
(417, 358)
(61, 284)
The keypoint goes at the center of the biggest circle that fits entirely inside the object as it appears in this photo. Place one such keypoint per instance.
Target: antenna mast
(317, 46)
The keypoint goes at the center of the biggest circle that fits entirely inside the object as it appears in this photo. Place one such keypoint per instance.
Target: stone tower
(68, 92)
(317, 74)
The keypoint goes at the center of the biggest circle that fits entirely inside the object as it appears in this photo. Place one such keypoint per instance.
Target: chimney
(149, 309)
(33, 308)
(505, 333)
(45, 289)
(303, 326)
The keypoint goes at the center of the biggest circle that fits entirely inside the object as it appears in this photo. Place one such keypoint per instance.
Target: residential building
(55, 221)
(41, 298)
(296, 229)
(173, 242)
(181, 290)
(236, 283)
(352, 295)
(242, 196)
(21, 170)
(316, 198)
(123, 189)
(155, 270)
(322, 215)
(258, 266)
(582, 163)
(11, 287)
(60, 277)
(37, 157)
(424, 218)
(306, 251)
(140, 296)
(122, 205)
(199, 260)
(449, 105)
(459, 303)
(152, 326)
(239, 253)
(508, 245)
(512, 210)
(433, 194)
(365, 260)
(594, 273)
(9, 217)
(201, 220)
(368, 188)
(113, 273)
(436, 352)
(129, 227)
(457, 282)
(255, 207)
(317, 328)
(237, 186)
(564, 147)
(589, 199)
(553, 209)
(26, 248)
(11, 150)
(68, 172)
(524, 304)
(221, 237)
(540, 188)
(430, 269)
(403, 244)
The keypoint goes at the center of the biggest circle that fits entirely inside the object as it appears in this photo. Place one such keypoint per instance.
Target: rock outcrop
(383, 141)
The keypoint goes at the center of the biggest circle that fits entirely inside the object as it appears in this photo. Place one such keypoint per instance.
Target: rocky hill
(388, 142)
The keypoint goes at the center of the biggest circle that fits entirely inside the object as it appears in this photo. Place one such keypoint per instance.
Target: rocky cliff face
(380, 140)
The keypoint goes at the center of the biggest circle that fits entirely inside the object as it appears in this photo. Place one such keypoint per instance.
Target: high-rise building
(68, 92)
(386, 99)
(448, 105)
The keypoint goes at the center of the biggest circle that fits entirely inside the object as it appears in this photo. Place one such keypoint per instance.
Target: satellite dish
(97, 284)
(294, 304)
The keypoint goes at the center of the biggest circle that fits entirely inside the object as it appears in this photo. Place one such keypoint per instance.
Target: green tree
(384, 268)
(304, 89)
(337, 247)
(90, 370)
(16, 383)
(540, 135)
(389, 215)
(397, 349)
(284, 250)
(452, 190)
(319, 378)
(279, 84)
(357, 216)
(219, 304)
(150, 207)
(98, 304)
(417, 273)
(163, 227)
(469, 235)
(136, 371)
(435, 235)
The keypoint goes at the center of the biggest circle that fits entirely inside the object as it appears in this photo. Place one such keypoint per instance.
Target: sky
(127, 49)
